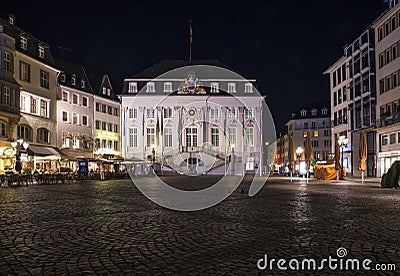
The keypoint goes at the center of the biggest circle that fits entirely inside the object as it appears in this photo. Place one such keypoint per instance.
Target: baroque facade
(192, 122)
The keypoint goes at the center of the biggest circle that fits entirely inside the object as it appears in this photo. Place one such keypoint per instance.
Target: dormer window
(82, 83)
(303, 113)
(108, 92)
(313, 112)
(168, 87)
(150, 87)
(104, 90)
(41, 51)
(24, 43)
(231, 87)
(63, 77)
(11, 20)
(324, 111)
(132, 87)
(248, 88)
(214, 87)
(73, 79)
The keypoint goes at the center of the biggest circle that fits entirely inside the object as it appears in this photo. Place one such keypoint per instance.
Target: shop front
(44, 158)
(386, 159)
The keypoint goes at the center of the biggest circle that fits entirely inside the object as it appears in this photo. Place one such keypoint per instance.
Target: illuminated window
(132, 87)
(316, 133)
(150, 87)
(214, 87)
(248, 88)
(41, 51)
(24, 43)
(215, 137)
(231, 87)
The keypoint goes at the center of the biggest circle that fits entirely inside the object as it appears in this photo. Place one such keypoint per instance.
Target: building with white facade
(387, 37)
(192, 121)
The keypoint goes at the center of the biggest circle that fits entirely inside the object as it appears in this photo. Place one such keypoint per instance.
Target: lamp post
(343, 141)
(233, 159)
(17, 145)
(153, 156)
(299, 152)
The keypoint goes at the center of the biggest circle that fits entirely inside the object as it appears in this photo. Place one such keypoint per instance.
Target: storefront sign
(388, 154)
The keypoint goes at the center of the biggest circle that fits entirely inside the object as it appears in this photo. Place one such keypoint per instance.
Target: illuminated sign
(106, 135)
(388, 154)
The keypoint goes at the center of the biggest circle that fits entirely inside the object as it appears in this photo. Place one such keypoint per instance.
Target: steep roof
(308, 107)
(168, 65)
(98, 81)
(33, 44)
(70, 69)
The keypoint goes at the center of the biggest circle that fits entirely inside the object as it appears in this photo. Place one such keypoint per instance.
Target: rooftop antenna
(190, 39)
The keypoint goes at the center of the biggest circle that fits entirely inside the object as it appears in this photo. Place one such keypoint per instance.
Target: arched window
(43, 136)
(24, 132)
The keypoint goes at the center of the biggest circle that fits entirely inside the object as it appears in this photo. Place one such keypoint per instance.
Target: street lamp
(343, 141)
(17, 146)
(153, 155)
(232, 159)
(299, 152)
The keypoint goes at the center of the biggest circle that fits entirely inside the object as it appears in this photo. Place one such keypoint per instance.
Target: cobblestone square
(109, 227)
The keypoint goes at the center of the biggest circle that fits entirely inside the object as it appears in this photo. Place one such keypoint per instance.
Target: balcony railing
(388, 120)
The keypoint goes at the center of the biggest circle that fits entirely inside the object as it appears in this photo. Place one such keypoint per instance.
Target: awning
(42, 151)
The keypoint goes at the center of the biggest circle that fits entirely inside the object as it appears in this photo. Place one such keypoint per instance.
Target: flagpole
(190, 42)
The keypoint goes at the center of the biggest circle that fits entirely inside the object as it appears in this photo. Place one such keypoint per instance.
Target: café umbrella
(292, 156)
(362, 151)
(337, 157)
(308, 152)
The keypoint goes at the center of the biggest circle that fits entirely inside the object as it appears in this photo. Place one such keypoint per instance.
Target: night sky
(285, 45)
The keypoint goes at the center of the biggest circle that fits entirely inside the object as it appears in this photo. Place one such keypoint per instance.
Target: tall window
(24, 132)
(24, 43)
(231, 87)
(65, 96)
(168, 137)
(231, 113)
(132, 87)
(97, 124)
(97, 107)
(43, 135)
(24, 71)
(75, 118)
(43, 108)
(250, 136)
(110, 144)
(151, 136)
(191, 137)
(41, 51)
(215, 137)
(232, 135)
(84, 101)
(116, 145)
(115, 128)
(133, 137)
(214, 113)
(167, 112)
(65, 116)
(214, 87)
(168, 87)
(248, 113)
(33, 105)
(75, 99)
(248, 88)
(7, 61)
(44, 79)
(6, 96)
(150, 113)
(150, 87)
(24, 106)
(3, 129)
(84, 120)
(110, 127)
(130, 113)
(103, 126)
